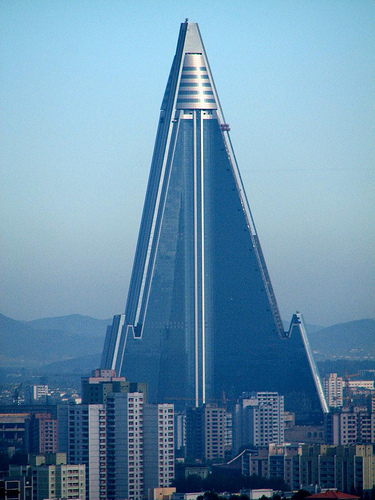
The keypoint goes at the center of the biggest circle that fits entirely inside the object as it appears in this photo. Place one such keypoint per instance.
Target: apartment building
(350, 425)
(306, 466)
(125, 475)
(259, 419)
(87, 445)
(158, 442)
(205, 433)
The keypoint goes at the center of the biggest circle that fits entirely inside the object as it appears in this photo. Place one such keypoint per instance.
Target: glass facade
(201, 317)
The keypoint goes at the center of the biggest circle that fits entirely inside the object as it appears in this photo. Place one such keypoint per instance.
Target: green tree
(209, 495)
(19, 458)
(301, 495)
(187, 484)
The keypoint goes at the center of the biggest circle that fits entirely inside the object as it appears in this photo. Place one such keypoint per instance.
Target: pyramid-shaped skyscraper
(201, 317)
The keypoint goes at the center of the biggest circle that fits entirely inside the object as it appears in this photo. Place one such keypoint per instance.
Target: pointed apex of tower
(193, 39)
(190, 84)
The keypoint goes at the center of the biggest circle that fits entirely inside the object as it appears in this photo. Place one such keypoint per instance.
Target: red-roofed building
(333, 495)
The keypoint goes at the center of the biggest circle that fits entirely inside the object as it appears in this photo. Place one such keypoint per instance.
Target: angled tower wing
(201, 315)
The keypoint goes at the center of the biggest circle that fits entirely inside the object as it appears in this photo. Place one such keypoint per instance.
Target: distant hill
(82, 365)
(352, 340)
(72, 340)
(74, 324)
(37, 343)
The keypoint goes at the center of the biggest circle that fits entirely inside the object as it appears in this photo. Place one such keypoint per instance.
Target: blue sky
(81, 88)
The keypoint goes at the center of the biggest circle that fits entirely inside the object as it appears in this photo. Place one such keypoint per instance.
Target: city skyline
(74, 148)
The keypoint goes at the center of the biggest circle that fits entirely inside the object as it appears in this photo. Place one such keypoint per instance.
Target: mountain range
(32, 344)
(354, 340)
(77, 340)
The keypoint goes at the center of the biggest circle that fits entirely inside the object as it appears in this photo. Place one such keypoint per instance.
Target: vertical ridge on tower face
(201, 316)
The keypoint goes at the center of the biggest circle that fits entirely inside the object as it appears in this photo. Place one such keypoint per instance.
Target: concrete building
(58, 481)
(30, 428)
(13, 430)
(342, 391)
(40, 392)
(16, 487)
(205, 433)
(310, 466)
(340, 467)
(42, 433)
(87, 445)
(307, 434)
(49, 476)
(256, 494)
(259, 419)
(161, 493)
(125, 477)
(125, 474)
(180, 434)
(228, 439)
(140, 445)
(350, 425)
(102, 382)
(215, 427)
(333, 387)
(274, 461)
(360, 384)
(158, 442)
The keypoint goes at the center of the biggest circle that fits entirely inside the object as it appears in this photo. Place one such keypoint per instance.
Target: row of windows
(181, 101)
(205, 77)
(195, 92)
(194, 84)
(194, 68)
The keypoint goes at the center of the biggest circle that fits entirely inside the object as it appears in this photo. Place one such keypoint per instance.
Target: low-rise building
(307, 434)
(310, 466)
(49, 476)
(350, 425)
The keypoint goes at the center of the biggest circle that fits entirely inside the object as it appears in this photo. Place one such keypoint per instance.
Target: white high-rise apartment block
(40, 391)
(59, 481)
(350, 425)
(179, 431)
(158, 445)
(214, 432)
(87, 445)
(140, 446)
(125, 476)
(52, 477)
(333, 387)
(206, 432)
(259, 419)
(228, 439)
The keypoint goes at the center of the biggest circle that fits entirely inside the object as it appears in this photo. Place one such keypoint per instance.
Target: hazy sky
(81, 88)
